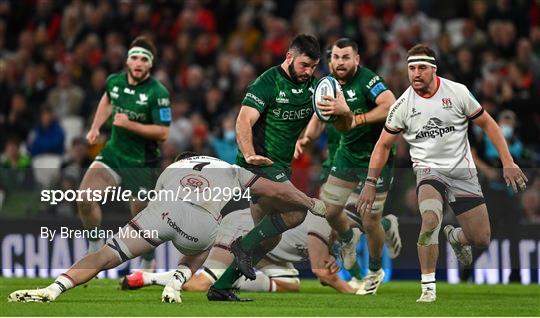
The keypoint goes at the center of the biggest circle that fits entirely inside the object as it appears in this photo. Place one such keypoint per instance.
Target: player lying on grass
(311, 240)
(191, 222)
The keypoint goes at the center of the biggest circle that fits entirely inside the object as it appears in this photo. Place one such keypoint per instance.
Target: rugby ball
(327, 86)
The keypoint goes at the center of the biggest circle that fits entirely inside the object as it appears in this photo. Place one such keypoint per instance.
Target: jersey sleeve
(395, 121)
(245, 178)
(373, 86)
(471, 108)
(161, 107)
(109, 85)
(259, 94)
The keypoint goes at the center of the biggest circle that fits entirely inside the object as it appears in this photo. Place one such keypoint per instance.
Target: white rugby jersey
(204, 181)
(293, 245)
(436, 127)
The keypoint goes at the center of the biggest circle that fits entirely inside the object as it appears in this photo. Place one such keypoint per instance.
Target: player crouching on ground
(191, 226)
(311, 240)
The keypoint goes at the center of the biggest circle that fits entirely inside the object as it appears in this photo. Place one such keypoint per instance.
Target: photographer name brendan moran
(123, 232)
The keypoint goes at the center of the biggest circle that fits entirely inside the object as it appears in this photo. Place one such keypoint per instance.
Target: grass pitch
(102, 298)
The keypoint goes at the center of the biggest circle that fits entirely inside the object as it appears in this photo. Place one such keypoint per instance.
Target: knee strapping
(120, 249)
(334, 194)
(431, 237)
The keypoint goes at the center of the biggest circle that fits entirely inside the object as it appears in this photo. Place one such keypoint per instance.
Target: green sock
(355, 271)
(374, 264)
(270, 226)
(228, 278)
(385, 224)
(346, 236)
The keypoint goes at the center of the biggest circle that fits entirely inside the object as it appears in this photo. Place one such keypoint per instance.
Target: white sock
(260, 283)
(61, 284)
(181, 275)
(428, 282)
(157, 278)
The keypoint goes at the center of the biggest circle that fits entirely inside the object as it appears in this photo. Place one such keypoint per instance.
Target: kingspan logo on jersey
(434, 128)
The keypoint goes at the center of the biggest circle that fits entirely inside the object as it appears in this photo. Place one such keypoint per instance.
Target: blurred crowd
(55, 57)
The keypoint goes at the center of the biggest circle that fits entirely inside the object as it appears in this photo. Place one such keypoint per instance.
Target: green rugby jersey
(285, 108)
(147, 103)
(360, 92)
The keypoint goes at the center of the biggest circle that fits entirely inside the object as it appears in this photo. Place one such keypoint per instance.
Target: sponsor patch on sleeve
(255, 98)
(377, 89)
(165, 114)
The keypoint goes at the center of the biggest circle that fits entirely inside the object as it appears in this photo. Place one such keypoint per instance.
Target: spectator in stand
(225, 146)
(215, 106)
(199, 141)
(223, 77)
(194, 91)
(181, 128)
(465, 71)
(78, 161)
(65, 97)
(15, 167)
(247, 33)
(33, 87)
(411, 26)
(93, 93)
(48, 136)
(19, 120)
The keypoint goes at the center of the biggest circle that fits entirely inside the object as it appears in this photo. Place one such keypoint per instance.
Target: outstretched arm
(247, 117)
(103, 112)
(312, 131)
(324, 266)
(379, 157)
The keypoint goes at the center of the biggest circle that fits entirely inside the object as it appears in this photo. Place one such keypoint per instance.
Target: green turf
(102, 298)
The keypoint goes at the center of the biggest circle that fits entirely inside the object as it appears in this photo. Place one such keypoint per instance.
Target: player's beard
(294, 76)
(346, 76)
(424, 88)
(144, 75)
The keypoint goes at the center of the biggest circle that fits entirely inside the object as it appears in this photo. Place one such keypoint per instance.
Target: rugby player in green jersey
(141, 113)
(276, 109)
(365, 101)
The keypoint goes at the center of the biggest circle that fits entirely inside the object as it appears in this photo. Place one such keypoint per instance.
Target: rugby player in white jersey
(433, 115)
(311, 240)
(190, 220)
